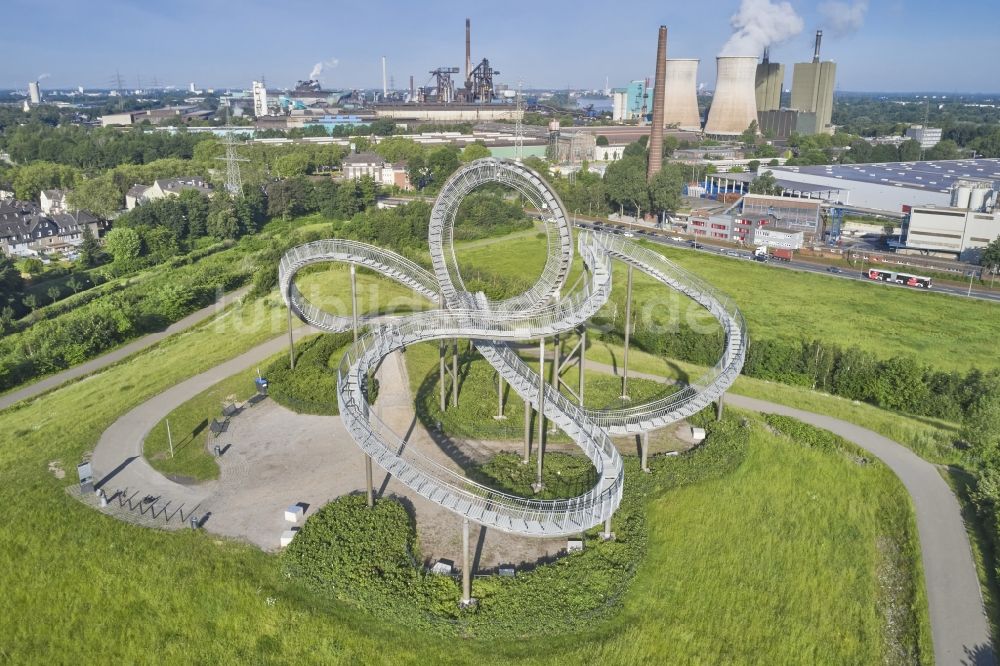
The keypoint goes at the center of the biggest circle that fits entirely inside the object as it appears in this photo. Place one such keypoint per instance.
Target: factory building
(927, 137)
(259, 99)
(782, 123)
(960, 230)
(734, 103)
(886, 187)
(631, 103)
(812, 88)
(768, 83)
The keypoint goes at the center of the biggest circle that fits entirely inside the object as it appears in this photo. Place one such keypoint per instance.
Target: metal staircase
(491, 325)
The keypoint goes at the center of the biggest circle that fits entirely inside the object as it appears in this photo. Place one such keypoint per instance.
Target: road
(958, 619)
(93, 365)
(845, 274)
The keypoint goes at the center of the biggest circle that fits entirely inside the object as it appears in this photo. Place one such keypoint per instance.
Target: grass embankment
(932, 439)
(942, 330)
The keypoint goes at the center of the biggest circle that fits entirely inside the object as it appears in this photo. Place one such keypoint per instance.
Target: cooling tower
(734, 104)
(680, 107)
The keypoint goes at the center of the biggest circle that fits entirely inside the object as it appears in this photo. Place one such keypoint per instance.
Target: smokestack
(819, 40)
(659, 96)
(680, 95)
(767, 55)
(411, 87)
(468, 49)
(385, 87)
(734, 103)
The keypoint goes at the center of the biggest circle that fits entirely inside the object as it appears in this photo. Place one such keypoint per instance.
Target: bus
(900, 278)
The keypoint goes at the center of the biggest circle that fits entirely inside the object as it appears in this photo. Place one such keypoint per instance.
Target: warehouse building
(889, 186)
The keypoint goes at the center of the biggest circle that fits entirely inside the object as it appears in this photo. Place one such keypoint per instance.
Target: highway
(745, 255)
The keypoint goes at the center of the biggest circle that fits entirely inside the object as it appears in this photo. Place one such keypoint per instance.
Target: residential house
(384, 173)
(53, 201)
(140, 194)
(25, 229)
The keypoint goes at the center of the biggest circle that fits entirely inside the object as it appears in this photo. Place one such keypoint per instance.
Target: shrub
(311, 388)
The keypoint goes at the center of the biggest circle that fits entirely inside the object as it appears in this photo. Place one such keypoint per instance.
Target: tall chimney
(385, 86)
(468, 49)
(411, 87)
(819, 40)
(767, 54)
(659, 88)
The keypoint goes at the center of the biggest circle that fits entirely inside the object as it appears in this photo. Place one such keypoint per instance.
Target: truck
(781, 254)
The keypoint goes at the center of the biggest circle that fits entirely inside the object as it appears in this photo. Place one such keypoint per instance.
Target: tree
(602, 140)
(475, 151)
(991, 256)
(981, 430)
(196, 208)
(944, 150)
(293, 164)
(74, 284)
(30, 302)
(666, 187)
(11, 282)
(398, 149)
(125, 245)
(753, 165)
(53, 293)
(625, 182)
(765, 183)
(749, 135)
(909, 151)
(90, 248)
(29, 180)
(99, 196)
(31, 266)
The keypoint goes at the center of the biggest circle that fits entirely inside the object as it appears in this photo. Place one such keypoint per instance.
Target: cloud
(318, 68)
(761, 23)
(843, 18)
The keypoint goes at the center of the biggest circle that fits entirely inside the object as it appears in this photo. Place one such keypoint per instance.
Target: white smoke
(318, 68)
(844, 17)
(43, 76)
(760, 23)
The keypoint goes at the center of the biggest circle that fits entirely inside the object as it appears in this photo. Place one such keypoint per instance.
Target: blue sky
(902, 45)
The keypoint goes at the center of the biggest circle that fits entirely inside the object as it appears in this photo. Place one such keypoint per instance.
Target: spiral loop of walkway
(539, 312)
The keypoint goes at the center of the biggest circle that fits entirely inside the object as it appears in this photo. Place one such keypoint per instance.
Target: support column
(583, 363)
(628, 334)
(369, 488)
(607, 534)
(466, 566)
(444, 398)
(644, 445)
(537, 486)
(527, 432)
(354, 302)
(454, 373)
(291, 342)
(500, 415)
(555, 365)
(718, 407)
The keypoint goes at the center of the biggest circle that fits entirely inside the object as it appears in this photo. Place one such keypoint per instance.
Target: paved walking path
(958, 620)
(93, 365)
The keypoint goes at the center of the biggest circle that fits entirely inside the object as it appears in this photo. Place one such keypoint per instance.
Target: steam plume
(760, 23)
(318, 68)
(844, 17)
(43, 76)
